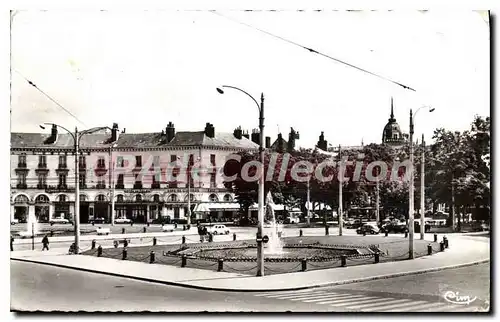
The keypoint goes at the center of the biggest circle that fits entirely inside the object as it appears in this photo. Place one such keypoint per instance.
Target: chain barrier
(202, 266)
(240, 270)
(396, 256)
(158, 260)
(359, 259)
(170, 241)
(138, 259)
(288, 269)
(327, 264)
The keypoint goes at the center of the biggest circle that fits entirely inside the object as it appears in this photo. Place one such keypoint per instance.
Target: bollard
(327, 231)
(123, 230)
(386, 233)
(99, 251)
(131, 223)
(93, 243)
(435, 238)
(125, 243)
(300, 233)
(221, 265)
(183, 227)
(51, 233)
(124, 254)
(162, 224)
(115, 243)
(151, 257)
(11, 243)
(144, 229)
(364, 232)
(234, 236)
(304, 264)
(210, 238)
(183, 239)
(154, 241)
(429, 249)
(147, 225)
(343, 260)
(377, 258)
(183, 261)
(446, 242)
(92, 223)
(441, 246)
(406, 234)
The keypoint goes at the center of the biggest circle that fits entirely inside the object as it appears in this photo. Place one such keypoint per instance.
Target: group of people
(203, 232)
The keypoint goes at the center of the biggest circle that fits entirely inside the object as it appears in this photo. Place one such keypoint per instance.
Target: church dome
(392, 133)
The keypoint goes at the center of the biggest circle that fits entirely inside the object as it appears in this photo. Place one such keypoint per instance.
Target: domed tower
(392, 134)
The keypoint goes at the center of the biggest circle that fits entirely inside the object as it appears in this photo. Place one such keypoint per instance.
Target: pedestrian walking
(45, 242)
(11, 243)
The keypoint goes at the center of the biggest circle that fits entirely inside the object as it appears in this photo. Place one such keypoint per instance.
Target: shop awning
(220, 206)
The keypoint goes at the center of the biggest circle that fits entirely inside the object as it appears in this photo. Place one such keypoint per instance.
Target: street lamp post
(76, 140)
(412, 188)
(422, 191)
(111, 184)
(308, 201)
(260, 227)
(340, 178)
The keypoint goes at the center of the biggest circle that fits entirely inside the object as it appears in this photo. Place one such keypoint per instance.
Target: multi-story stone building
(145, 174)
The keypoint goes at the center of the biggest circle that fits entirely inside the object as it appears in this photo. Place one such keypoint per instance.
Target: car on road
(394, 227)
(123, 221)
(59, 221)
(220, 230)
(14, 221)
(98, 220)
(368, 228)
(168, 227)
(103, 231)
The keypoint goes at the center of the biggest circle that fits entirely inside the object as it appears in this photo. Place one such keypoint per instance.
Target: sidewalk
(463, 251)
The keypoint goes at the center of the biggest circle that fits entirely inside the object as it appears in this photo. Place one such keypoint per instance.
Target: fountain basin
(26, 234)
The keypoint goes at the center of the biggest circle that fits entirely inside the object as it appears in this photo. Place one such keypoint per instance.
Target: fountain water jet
(31, 228)
(275, 244)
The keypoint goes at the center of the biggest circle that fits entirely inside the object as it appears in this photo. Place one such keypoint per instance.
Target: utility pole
(377, 199)
(340, 178)
(308, 201)
(260, 229)
(77, 194)
(111, 186)
(422, 192)
(411, 207)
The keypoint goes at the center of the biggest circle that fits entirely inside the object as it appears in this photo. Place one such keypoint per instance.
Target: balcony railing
(22, 186)
(42, 165)
(62, 186)
(41, 186)
(63, 165)
(155, 185)
(21, 165)
(138, 185)
(119, 186)
(100, 186)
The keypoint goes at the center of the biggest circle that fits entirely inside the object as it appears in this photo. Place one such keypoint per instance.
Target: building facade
(145, 174)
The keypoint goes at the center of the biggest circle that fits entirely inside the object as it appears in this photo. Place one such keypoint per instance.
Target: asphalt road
(46, 288)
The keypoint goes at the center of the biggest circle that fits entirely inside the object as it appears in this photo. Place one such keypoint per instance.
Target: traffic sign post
(265, 239)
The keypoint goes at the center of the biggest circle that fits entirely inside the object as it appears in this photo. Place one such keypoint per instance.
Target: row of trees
(457, 173)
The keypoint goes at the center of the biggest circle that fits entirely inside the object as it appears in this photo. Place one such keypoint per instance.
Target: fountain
(275, 245)
(32, 227)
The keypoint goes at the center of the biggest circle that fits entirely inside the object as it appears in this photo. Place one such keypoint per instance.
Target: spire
(392, 119)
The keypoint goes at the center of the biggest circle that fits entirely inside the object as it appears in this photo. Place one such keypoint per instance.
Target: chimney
(322, 144)
(123, 131)
(291, 139)
(210, 130)
(268, 142)
(53, 135)
(280, 143)
(238, 133)
(256, 136)
(114, 132)
(170, 131)
(246, 135)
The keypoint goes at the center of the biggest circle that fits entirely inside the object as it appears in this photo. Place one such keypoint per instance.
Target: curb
(344, 282)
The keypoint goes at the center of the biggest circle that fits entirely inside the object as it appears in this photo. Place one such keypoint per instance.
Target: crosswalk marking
(292, 294)
(302, 296)
(287, 292)
(345, 297)
(351, 300)
(317, 296)
(331, 297)
(375, 307)
(362, 301)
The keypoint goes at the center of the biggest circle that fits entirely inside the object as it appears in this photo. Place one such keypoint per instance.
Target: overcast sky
(143, 69)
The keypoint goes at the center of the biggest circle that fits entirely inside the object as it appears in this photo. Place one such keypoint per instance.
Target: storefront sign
(53, 190)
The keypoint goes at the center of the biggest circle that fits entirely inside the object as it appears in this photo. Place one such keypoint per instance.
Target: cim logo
(456, 298)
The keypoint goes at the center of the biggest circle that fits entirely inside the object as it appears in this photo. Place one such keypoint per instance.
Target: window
(212, 159)
(119, 198)
(138, 198)
(172, 198)
(138, 182)
(156, 198)
(101, 163)
(101, 184)
(62, 161)
(138, 161)
(42, 180)
(62, 180)
(213, 198)
(42, 161)
(213, 182)
(83, 198)
(156, 161)
(21, 181)
(173, 158)
(119, 182)
(120, 161)
(395, 135)
(21, 199)
(228, 198)
(101, 198)
(189, 174)
(82, 161)
(62, 198)
(82, 180)
(43, 199)
(22, 161)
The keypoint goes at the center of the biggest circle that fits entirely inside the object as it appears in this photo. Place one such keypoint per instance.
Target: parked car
(168, 227)
(368, 228)
(103, 231)
(394, 227)
(480, 226)
(14, 221)
(354, 224)
(123, 221)
(98, 220)
(59, 221)
(219, 230)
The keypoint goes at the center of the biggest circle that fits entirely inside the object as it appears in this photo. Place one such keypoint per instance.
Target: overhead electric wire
(50, 98)
(315, 51)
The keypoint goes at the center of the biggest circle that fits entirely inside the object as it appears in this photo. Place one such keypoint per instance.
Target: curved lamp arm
(239, 89)
(431, 109)
(92, 130)
(62, 127)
